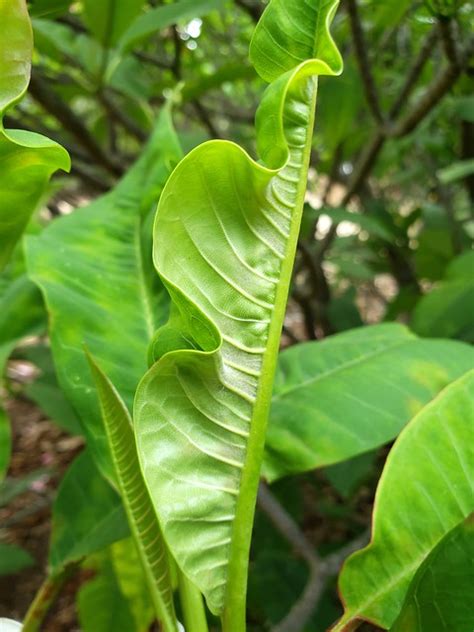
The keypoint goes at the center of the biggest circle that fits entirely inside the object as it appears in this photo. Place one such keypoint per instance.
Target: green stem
(234, 619)
(192, 604)
(44, 599)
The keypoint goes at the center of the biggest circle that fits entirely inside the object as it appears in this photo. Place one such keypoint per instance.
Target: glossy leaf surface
(24, 156)
(441, 594)
(352, 393)
(112, 303)
(426, 489)
(88, 514)
(141, 516)
(201, 410)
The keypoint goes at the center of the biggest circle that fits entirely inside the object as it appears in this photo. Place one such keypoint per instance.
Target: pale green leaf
(441, 594)
(426, 489)
(353, 392)
(141, 516)
(88, 515)
(201, 410)
(24, 156)
(114, 302)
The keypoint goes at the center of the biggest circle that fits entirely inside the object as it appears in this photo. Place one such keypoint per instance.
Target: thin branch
(118, 115)
(360, 48)
(45, 598)
(320, 568)
(448, 39)
(414, 73)
(47, 98)
(435, 92)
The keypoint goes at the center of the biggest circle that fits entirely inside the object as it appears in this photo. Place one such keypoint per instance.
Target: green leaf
(160, 18)
(101, 603)
(447, 310)
(88, 515)
(132, 582)
(140, 513)
(21, 314)
(424, 492)
(49, 8)
(13, 559)
(353, 392)
(113, 302)
(205, 401)
(440, 594)
(107, 20)
(46, 393)
(24, 156)
(456, 171)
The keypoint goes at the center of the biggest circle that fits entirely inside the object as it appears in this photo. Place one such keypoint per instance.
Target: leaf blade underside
(200, 412)
(141, 516)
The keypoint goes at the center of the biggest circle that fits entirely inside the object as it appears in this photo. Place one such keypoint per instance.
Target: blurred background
(386, 236)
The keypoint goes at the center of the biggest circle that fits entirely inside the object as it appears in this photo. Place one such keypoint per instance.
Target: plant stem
(44, 599)
(192, 604)
(234, 619)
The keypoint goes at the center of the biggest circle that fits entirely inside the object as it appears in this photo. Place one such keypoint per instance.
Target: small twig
(434, 93)
(205, 119)
(414, 73)
(47, 98)
(320, 568)
(118, 115)
(448, 39)
(360, 48)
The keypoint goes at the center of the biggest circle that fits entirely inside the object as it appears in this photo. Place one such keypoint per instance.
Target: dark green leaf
(88, 514)
(441, 594)
(13, 559)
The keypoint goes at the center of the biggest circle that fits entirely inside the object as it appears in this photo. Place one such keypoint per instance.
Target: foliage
(147, 293)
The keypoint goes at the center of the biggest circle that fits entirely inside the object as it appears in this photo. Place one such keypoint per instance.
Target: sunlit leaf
(353, 392)
(25, 157)
(201, 410)
(426, 489)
